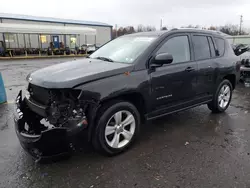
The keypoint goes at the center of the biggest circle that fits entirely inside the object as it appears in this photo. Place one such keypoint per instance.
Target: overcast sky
(175, 13)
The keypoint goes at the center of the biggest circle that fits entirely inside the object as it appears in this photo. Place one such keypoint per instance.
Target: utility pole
(115, 30)
(161, 24)
(241, 21)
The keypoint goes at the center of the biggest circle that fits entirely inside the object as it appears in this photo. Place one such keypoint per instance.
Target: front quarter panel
(115, 86)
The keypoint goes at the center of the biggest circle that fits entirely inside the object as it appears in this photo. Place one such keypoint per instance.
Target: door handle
(189, 69)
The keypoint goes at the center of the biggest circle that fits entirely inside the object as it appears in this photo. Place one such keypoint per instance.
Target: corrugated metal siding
(30, 22)
(82, 39)
(34, 41)
(1, 37)
(103, 35)
(49, 19)
(26, 38)
(21, 40)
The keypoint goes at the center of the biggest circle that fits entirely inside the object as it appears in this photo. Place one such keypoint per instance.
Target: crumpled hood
(73, 73)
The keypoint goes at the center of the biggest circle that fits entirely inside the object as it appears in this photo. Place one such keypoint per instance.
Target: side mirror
(161, 59)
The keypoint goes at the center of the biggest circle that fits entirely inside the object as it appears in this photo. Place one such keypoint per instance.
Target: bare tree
(113, 33)
(124, 32)
(229, 29)
(150, 28)
(190, 26)
(212, 28)
(140, 28)
(120, 31)
(164, 28)
(130, 29)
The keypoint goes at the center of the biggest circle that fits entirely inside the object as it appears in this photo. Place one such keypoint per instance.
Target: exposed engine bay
(47, 121)
(65, 109)
(57, 108)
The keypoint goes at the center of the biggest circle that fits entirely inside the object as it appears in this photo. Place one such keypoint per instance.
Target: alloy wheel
(224, 96)
(120, 129)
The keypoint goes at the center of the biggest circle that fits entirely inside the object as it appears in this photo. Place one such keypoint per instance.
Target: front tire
(117, 127)
(222, 98)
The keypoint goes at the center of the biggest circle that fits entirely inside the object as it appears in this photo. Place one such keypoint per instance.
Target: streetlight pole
(161, 24)
(115, 30)
(241, 21)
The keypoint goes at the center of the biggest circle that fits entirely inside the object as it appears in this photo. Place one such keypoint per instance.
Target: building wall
(1, 37)
(27, 40)
(103, 35)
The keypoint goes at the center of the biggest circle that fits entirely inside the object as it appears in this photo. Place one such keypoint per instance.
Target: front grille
(39, 94)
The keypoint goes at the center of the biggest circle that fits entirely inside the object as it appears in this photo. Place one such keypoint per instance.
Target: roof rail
(214, 31)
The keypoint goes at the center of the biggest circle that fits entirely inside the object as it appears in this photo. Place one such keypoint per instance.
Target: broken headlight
(27, 92)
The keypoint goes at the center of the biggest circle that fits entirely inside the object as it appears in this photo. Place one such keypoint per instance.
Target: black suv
(129, 80)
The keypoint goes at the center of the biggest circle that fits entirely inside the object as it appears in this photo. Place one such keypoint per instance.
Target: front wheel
(117, 127)
(222, 97)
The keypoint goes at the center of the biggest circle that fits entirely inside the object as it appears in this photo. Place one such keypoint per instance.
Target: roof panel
(45, 29)
(50, 19)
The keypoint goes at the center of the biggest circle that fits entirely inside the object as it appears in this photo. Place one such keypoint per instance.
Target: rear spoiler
(240, 49)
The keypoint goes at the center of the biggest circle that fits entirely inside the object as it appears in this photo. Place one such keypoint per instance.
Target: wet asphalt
(193, 148)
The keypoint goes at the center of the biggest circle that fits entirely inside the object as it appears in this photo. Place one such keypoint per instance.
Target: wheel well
(134, 98)
(232, 79)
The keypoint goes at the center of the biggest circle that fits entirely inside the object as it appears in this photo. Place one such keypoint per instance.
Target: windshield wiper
(105, 59)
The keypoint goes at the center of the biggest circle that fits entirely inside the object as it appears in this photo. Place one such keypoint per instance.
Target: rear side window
(220, 43)
(201, 47)
(178, 47)
(211, 45)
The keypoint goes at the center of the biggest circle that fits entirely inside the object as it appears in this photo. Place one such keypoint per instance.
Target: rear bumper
(50, 143)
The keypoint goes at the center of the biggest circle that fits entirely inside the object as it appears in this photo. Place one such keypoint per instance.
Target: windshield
(123, 49)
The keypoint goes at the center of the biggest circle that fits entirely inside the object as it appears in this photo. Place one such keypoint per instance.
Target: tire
(221, 101)
(104, 138)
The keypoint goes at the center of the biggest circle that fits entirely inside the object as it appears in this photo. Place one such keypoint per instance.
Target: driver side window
(178, 47)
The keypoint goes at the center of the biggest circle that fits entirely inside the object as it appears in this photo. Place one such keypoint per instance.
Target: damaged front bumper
(49, 143)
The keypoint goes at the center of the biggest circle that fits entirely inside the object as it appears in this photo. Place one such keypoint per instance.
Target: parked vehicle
(245, 64)
(87, 49)
(240, 49)
(127, 81)
(245, 72)
(57, 51)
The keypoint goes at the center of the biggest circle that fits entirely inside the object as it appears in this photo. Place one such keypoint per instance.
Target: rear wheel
(222, 97)
(117, 127)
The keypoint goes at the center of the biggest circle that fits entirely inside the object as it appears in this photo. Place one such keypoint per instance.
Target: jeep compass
(127, 81)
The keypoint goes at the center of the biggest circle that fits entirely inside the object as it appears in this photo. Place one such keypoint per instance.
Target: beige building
(43, 40)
